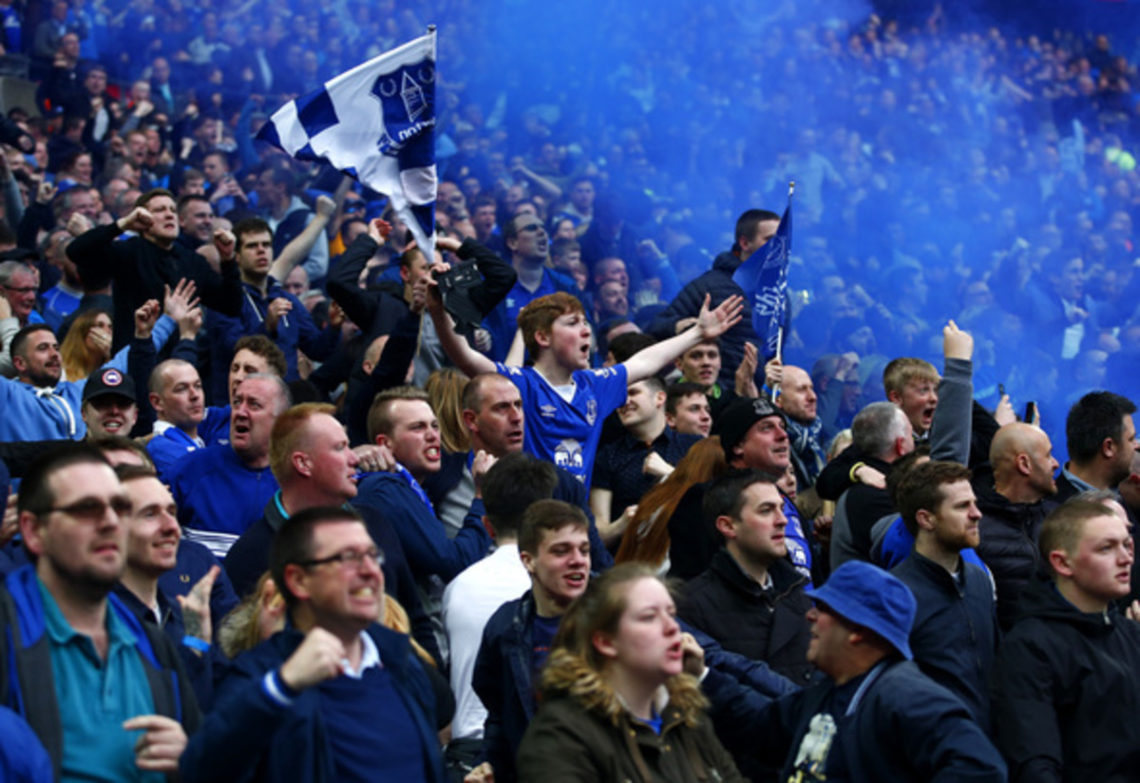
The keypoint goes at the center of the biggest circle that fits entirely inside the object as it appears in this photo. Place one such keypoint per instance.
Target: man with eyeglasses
(18, 286)
(529, 246)
(310, 457)
(335, 695)
(107, 696)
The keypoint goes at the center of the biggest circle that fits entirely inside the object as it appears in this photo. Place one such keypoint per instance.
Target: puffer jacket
(583, 732)
(1008, 546)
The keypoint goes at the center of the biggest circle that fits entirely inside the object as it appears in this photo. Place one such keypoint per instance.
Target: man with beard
(955, 631)
(82, 671)
(1102, 439)
(1014, 502)
(37, 405)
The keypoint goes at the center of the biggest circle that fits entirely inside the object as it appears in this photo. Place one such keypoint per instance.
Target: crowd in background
(965, 194)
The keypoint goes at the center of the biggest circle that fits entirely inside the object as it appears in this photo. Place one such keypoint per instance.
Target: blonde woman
(616, 703)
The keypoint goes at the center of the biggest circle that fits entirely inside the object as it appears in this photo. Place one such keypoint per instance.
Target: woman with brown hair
(646, 540)
(617, 704)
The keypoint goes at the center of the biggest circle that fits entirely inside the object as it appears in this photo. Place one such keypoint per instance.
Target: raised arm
(950, 430)
(466, 358)
(710, 325)
(359, 305)
(298, 248)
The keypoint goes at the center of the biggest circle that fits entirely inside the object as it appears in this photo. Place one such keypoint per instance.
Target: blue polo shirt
(95, 697)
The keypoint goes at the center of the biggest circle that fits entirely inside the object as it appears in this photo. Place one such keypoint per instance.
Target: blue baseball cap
(868, 596)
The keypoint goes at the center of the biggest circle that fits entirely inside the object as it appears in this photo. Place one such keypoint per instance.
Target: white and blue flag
(375, 123)
(764, 278)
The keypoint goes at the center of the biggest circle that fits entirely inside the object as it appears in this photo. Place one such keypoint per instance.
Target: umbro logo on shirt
(547, 411)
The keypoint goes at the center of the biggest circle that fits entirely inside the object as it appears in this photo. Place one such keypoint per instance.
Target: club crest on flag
(388, 147)
(406, 95)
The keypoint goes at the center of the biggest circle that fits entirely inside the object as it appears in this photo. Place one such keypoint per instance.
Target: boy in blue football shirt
(565, 402)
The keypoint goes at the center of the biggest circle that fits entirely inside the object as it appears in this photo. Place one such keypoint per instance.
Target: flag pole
(780, 330)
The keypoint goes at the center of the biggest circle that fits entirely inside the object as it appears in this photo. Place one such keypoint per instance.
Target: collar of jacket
(939, 575)
(784, 575)
(568, 675)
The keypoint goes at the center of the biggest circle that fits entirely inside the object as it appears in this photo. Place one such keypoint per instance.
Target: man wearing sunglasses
(106, 695)
(333, 696)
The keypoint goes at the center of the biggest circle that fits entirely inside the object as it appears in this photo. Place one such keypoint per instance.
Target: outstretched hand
(713, 323)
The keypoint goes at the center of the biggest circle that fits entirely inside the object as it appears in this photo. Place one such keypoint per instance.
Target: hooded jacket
(583, 732)
(1008, 545)
(1066, 692)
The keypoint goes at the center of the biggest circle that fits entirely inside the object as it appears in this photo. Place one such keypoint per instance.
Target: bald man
(1012, 509)
(805, 429)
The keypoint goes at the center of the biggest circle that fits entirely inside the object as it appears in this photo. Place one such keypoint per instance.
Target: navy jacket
(26, 679)
(200, 667)
(504, 681)
(906, 727)
(426, 545)
(250, 737)
(295, 329)
(955, 633)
